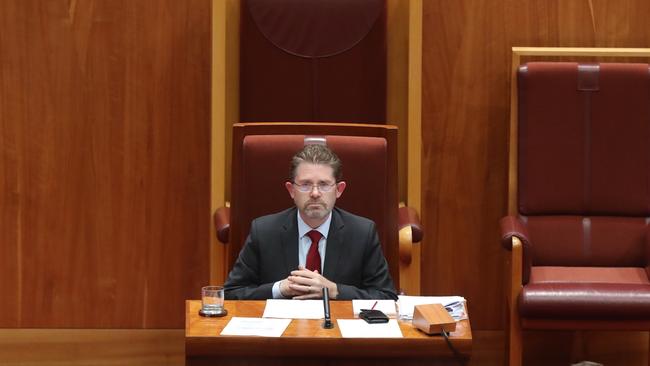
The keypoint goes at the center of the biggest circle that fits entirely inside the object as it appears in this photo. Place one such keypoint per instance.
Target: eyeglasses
(307, 187)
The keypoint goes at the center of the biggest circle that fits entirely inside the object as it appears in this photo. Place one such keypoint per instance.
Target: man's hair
(317, 154)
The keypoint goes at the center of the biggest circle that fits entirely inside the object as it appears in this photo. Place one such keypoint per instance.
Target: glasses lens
(307, 187)
(325, 187)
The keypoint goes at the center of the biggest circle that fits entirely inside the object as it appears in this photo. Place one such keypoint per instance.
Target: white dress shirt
(304, 243)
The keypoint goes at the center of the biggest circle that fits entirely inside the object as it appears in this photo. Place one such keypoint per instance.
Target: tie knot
(314, 235)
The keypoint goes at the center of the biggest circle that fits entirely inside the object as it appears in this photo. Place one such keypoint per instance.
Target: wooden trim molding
(404, 109)
(225, 112)
(414, 156)
(415, 106)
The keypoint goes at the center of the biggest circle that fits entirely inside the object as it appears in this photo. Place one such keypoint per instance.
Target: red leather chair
(579, 200)
(261, 164)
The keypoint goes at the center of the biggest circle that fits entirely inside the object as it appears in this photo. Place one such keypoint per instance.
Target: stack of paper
(255, 327)
(294, 309)
(455, 305)
(358, 328)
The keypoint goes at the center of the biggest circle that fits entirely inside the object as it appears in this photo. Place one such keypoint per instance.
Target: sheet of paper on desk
(294, 309)
(358, 328)
(456, 304)
(255, 327)
(386, 306)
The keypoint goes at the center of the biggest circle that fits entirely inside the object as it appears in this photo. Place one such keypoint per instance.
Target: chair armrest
(410, 232)
(512, 228)
(408, 217)
(222, 224)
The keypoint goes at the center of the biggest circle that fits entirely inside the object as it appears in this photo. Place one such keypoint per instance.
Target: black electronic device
(373, 316)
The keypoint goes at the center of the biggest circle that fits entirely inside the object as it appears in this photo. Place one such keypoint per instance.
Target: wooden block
(433, 319)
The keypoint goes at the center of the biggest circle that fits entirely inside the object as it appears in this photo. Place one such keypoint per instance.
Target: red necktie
(313, 257)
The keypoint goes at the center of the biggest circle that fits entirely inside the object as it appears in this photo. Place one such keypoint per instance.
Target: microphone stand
(327, 324)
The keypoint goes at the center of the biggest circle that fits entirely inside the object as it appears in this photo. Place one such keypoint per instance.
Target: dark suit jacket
(353, 258)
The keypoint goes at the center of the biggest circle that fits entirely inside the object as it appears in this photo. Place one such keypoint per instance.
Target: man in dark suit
(284, 252)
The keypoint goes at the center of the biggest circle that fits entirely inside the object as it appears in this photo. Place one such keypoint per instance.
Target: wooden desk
(305, 342)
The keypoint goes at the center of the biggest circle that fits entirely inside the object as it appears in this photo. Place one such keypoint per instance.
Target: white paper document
(294, 309)
(358, 328)
(255, 327)
(385, 306)
(455, 305)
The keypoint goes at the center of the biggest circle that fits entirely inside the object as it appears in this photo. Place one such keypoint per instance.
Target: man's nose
(315, 192)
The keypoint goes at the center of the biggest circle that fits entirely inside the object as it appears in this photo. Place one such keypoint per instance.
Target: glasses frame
(319, 186)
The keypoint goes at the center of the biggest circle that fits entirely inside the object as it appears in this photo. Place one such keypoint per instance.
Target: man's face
(314, 205)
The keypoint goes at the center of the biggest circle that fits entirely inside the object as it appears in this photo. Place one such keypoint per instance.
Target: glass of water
(212, 301)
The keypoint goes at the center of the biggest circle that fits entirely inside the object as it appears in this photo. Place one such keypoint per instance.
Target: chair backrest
(261, 159)
(584, 162)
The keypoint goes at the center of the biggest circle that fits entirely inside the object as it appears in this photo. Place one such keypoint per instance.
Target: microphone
(327, 324)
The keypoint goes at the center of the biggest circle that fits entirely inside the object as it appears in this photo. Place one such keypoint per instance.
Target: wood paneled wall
(465, 111)
(294, 67)
(105, 142)
(104, 161)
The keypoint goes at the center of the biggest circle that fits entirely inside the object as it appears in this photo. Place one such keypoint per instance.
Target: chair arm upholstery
(410, 232)
(408, 217)
(222, 224)
(511, 227)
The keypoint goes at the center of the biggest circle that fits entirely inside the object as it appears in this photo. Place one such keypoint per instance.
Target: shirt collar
(303, 228)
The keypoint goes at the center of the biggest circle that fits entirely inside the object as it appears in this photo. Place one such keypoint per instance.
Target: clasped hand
(305, 284)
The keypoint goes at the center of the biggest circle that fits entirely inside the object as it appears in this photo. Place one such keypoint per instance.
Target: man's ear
(289, 187)
(340, 187)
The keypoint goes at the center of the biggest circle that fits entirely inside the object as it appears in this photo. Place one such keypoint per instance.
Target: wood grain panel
(225, 112)
(105, 161)
(82, 347)
(281, 80)
(465, 109)
(397, 82)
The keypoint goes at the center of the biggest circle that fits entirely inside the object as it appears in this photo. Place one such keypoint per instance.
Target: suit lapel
(290, 241)
(334, 248)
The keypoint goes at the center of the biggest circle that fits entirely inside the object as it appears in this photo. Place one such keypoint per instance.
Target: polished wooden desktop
(308, 343)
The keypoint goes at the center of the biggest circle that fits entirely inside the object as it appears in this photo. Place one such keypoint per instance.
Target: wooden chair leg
(515, 332)
(515, 340)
